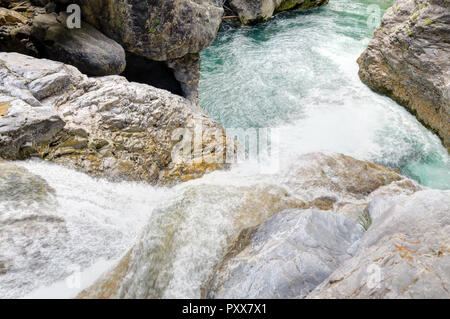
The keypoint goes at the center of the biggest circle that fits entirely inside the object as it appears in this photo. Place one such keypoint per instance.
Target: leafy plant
(364, 220)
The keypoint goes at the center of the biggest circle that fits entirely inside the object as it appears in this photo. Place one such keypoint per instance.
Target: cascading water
(296, 73)
(80, 222)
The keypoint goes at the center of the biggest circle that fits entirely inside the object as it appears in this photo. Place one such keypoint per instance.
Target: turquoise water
(298, 73)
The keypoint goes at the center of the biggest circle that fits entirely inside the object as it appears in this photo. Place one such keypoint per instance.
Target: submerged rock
(409, 60)
(404, 254)
(29, 228)
(85, 48)
(285, 257)
(184, 239)
(113, 128)
(262, 10)
(18, 187)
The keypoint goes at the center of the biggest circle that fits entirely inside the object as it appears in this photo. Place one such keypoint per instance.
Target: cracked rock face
(113, 128)
(24, 121)
(404, 254)
(253, 11)
(409, 60)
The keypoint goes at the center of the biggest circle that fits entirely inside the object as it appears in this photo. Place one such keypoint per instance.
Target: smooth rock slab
(85, 48)
(404, 254)
(185, 240)
(286, 257)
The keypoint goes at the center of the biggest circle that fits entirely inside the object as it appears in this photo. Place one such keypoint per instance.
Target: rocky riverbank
(409, 60)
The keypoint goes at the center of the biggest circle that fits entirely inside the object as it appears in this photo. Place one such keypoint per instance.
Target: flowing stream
(296, 73)
(299, 73)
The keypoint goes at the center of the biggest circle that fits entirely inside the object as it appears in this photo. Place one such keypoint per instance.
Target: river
(296, 74)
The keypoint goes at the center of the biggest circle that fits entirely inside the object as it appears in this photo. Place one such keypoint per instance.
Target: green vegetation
(154, 25)
(364, 220)
(428, 21)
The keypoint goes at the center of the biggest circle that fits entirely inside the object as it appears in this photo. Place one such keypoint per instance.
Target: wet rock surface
(26, 232)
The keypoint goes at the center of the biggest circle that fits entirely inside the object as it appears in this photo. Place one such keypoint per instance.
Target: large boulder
(181, 246)
(113, 128)
(160, 30)
(252, 11)
(404, 254)
(293, 252)
(285, 257)
(85, 48)
(173, 31)
(409, 60)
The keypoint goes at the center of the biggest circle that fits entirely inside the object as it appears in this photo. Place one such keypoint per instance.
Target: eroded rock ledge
(106, 126)
(409, 60)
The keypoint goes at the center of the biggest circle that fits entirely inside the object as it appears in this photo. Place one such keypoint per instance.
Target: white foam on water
(101, 220)
(71, 286)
